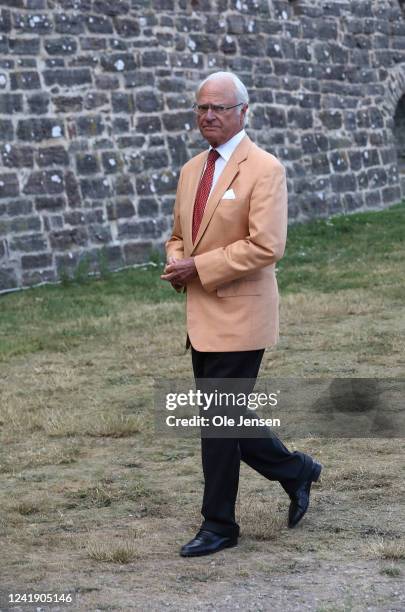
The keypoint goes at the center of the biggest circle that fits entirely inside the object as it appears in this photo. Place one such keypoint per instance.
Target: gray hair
(241, 91)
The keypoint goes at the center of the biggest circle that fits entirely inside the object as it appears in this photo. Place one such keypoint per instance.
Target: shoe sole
(211, 552)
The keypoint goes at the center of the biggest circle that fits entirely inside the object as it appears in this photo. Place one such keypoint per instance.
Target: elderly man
(230, 226)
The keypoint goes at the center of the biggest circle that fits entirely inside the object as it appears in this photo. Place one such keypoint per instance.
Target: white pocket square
(229, 195)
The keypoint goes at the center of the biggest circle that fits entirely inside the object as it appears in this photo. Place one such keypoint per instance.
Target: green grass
(344, 252)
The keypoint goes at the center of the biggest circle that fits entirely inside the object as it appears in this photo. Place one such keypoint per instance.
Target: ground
(96, 504)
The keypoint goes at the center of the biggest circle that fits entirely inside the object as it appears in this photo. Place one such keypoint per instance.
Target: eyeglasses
(218, 109)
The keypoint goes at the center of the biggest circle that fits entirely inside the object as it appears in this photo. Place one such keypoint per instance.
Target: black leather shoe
(300, 499)
(205, 543)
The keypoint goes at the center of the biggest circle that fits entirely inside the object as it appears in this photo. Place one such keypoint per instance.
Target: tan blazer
(233, 303)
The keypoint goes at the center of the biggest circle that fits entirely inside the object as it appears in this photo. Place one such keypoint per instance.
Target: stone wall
(95, 117)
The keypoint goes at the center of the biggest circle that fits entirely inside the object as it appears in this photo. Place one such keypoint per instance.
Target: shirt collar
(227, 148)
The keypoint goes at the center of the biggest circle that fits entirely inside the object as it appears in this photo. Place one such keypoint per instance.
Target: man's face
(219, 128)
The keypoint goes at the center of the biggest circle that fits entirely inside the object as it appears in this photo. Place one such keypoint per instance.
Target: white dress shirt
(225, 151)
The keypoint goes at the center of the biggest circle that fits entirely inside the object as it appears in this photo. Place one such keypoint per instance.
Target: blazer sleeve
(265, 242)
(174, 246)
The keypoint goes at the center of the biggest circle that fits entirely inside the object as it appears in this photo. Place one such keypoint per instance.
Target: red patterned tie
(203, 191)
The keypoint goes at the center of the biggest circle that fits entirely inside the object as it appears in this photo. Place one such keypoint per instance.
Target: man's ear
(244, 113)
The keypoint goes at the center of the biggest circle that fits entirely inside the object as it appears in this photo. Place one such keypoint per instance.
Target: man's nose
(210, 114)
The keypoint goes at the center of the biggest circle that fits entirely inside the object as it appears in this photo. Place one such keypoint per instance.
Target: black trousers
(221, 456)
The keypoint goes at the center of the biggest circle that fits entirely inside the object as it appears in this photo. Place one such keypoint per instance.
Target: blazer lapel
(228, 174)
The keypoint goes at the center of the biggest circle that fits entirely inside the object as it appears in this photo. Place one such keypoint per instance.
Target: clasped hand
(179, 271)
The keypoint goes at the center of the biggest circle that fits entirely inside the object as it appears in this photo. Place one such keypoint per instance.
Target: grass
(122, 552)
(344, 252)
(359, 251)
(263, 522)
(393, 550)
(96, 502)
(57, 317)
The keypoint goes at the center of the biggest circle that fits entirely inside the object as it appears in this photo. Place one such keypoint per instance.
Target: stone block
(127, 27)
(10, 103)
(44, 182)
(8, 279)
(19, 207)
(137, 252)
(370, 158)
(97, 188)
(148, 102)
(68, 238)
(228, 45)
(24, 46)
(343, 182)
(139, 78)
(123, 185)
(50, 156)
(39, 260)
(38, 103)
(9, 186)
(24, 224)
(121, 208)
(148, 124)
(66, 23)
(14, 156)
(29, 244)
(87, 163)
(377, 177)
(112, 162)
(112, 9)
(72, 189)
(69, 77)
(90, 126)
(38, 129)
(148, 207)
(122, 102)
(154, 58)
(339, 161)
(25, 80)
(37, 277)
(118, 62)
(50, 203)
(63, 45)
(33, 23)
(99, 233)
(331, 119)
(181, 121)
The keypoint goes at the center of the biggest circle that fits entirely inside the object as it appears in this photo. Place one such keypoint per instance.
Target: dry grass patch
(259, 520)
(25, 508)
(115, 425)
(35, 504)
(59, 422)
(391, 570)
(113, 551)
(393, 550)
(373, 342)
(357, 478)
(299, 307)
(203, 573)
(105, 494)
(189, 470)
(98, 496)
(16, 414)
(37, 455)
(125, 548)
